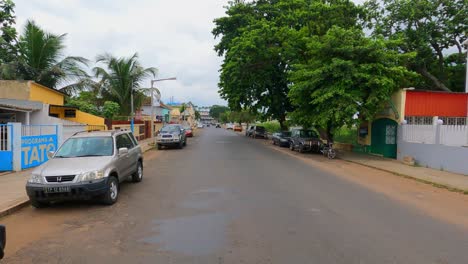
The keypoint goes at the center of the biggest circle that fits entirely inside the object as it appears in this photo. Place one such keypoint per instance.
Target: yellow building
(28, 102)
(379, 136)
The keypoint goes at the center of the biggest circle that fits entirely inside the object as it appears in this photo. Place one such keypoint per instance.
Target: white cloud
(174, 36)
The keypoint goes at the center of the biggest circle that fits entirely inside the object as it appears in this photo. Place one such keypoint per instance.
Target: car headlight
(91, 176)
(35, 178)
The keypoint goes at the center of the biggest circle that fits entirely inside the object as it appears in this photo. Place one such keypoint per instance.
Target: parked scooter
(328, 151)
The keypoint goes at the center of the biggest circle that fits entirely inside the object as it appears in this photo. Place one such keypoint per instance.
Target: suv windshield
(308, 134)
(170, 129)
(259, 128)
(86, 147)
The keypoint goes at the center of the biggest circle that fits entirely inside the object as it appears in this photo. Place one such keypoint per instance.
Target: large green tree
(432, 29)
(346, 74)
(254, 71)
(41, 58)
(217, 110)
(119, 77)
(8, 49)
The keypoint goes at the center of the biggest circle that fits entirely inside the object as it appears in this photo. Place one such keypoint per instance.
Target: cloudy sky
(172, 35)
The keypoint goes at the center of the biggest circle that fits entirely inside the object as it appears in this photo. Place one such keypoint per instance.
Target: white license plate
(58, 189)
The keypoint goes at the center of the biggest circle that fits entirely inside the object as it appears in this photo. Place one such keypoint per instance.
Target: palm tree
(120, 77)
(41, 59)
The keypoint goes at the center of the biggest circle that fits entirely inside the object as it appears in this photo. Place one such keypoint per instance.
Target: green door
(384, 137)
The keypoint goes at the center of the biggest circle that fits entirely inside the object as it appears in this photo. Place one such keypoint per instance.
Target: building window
(419, 120)
(454, 121)
(70, 113)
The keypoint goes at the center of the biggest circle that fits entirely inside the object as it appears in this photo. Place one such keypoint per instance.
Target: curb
(14, 208)
(435, 184)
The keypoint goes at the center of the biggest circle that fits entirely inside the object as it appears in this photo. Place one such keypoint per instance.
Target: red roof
(427, 103)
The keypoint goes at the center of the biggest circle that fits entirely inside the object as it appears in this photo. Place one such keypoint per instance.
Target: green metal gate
(384, 137)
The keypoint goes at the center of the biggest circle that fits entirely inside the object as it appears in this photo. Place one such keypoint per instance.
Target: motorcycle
(328, 151)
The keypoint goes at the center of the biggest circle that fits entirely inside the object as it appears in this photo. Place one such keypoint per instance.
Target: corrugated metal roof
(22, 105)
(425, 103)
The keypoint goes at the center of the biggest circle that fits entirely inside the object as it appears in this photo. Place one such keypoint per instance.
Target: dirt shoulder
(440, 203)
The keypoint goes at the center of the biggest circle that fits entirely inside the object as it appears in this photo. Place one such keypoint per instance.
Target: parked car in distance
(305, 140)
(249, 130)
(229, 126)
(2, 241)
(88, 165)
(188, 131)
(171, 135)
(259, 131)
(218, 125)
(200, 125)
(281, 138)
(237, 128)
(208, 125)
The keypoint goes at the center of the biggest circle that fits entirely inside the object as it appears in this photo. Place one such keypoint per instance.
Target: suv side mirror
(2, 241)
(123, 151)
(50, 154)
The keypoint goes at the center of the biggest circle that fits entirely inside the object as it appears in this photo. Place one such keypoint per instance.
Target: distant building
(205, 114)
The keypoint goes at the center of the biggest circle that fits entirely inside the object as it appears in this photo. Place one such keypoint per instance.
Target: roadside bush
(346, 135)
(271, 126)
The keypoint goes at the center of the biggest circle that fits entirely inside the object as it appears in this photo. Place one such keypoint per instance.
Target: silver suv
(88, 165)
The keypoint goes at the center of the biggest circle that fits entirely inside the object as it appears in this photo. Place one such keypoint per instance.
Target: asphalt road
(226, 198)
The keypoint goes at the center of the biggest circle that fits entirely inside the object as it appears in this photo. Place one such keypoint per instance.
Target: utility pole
(152, 100)
(132, 127)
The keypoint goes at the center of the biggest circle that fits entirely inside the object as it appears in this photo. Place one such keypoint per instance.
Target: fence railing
(452, 135)
(5, 144)
(419, 133)
(38, 130)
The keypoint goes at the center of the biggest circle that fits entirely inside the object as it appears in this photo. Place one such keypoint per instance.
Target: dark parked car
(218, 125)
(259, 131)
(281, 138)
(171, 135)
(304, 140)
(256, 132)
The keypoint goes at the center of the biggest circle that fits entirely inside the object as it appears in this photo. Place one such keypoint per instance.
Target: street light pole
(152, 103)
(132, 127)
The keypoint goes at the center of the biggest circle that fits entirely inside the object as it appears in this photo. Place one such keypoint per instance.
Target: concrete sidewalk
(12, 186)
(445, 179)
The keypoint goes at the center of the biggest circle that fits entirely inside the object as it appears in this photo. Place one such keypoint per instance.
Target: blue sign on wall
(6, 160)
(34, 149)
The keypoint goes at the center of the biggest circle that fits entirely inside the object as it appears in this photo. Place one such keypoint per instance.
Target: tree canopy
(41, 59)
(307, 59)
(8, 35)
(119, 77)
(432, 29)
(217, 110)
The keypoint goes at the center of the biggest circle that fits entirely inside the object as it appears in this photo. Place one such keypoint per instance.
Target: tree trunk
(281, 121)
(437, 83)
(329, 134)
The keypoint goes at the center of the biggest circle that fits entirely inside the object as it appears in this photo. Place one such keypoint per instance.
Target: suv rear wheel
(112, 193)
(138, 175)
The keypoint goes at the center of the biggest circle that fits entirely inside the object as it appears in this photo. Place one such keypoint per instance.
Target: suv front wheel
(138, 175)
(112, 193)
